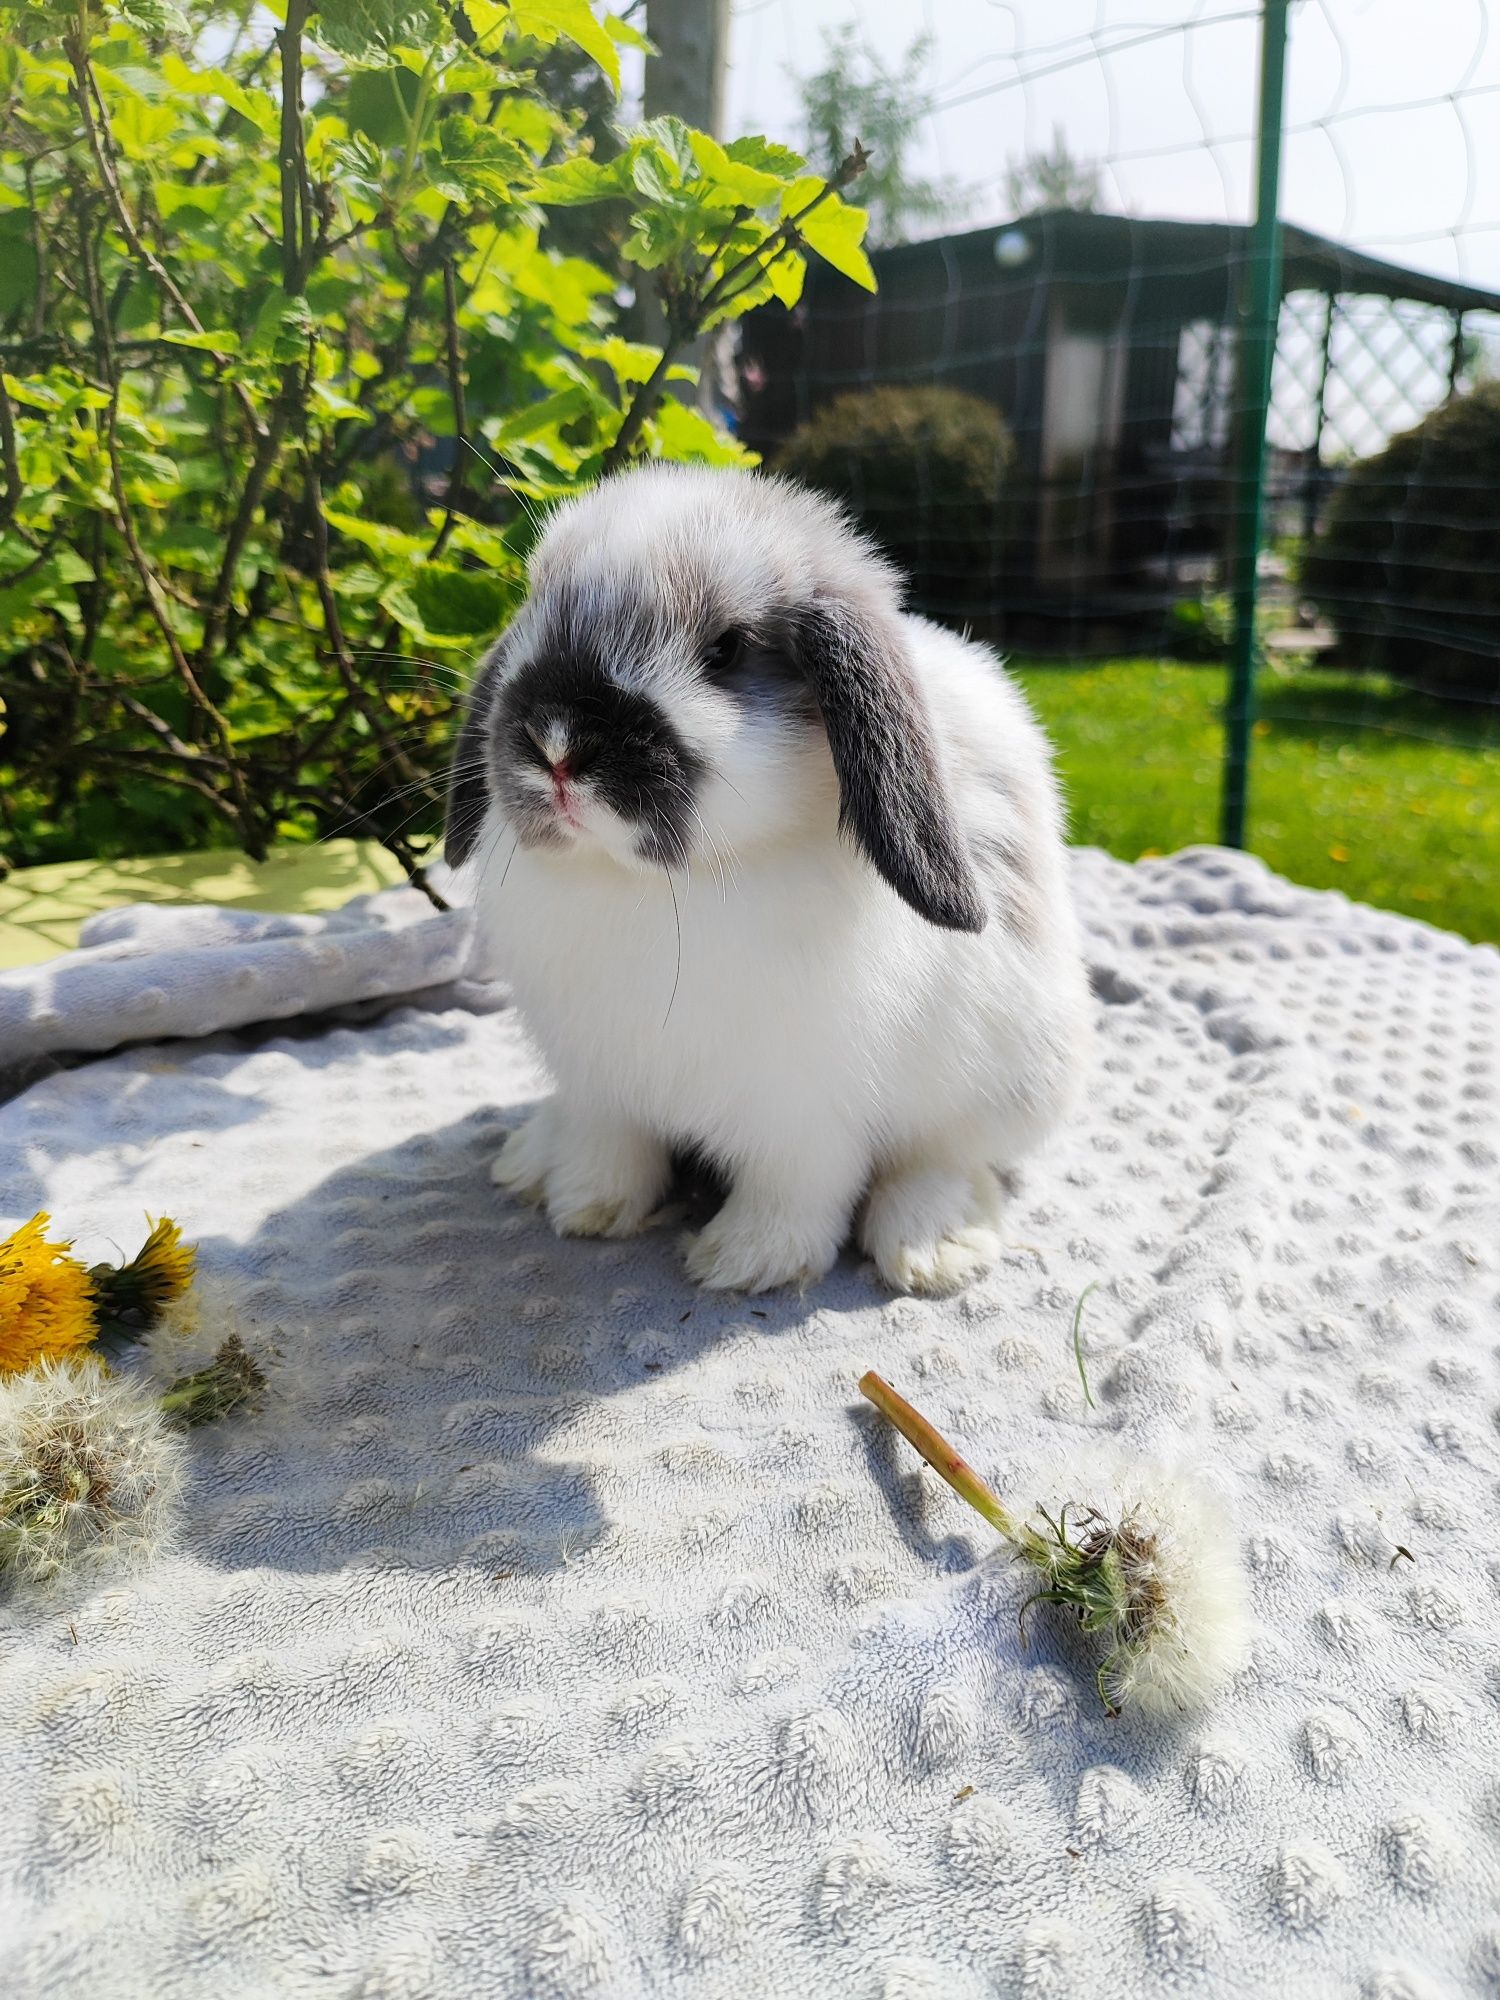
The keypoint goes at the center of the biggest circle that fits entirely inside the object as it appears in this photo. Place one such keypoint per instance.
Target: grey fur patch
(1004, 868)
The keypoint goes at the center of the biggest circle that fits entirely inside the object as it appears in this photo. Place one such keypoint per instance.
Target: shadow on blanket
(448, 1368)
(451, 1388)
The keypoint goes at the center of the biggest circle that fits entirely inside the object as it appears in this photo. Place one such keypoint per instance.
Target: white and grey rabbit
(776, 874)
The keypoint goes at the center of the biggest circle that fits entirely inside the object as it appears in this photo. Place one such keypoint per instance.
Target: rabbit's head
(709, 664)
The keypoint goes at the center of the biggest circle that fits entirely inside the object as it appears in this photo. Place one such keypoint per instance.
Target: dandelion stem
(941, 1456)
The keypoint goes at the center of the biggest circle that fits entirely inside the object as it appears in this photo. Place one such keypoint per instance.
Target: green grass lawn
(1356, 784)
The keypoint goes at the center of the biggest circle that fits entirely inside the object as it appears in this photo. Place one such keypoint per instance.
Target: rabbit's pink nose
(560, 772)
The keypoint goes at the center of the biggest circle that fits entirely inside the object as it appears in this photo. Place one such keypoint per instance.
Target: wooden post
(686, 80)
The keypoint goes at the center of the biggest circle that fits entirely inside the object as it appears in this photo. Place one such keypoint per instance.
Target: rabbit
(776, 875)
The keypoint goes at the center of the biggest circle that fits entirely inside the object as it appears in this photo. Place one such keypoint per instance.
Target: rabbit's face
(707, 663)
(647, 699)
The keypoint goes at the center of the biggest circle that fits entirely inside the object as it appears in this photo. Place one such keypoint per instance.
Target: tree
(854, 96)
(288, 365)
(1052, 179)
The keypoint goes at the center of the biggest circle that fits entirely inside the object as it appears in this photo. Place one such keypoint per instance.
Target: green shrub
(927, 473)
(1408, 564)
(292, 355)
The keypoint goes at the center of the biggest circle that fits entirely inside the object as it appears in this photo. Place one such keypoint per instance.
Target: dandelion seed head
(190, 1328)
(1180, 1627)
(88, 1470)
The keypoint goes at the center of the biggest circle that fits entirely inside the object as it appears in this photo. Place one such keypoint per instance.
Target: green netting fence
(1239, 526)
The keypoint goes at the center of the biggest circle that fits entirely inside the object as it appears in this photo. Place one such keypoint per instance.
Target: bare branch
(296, 194)
(91, 110)
(333, 626)
(460, 417)
(266, 448)
(158, 727)
(155, 594)
(643, 405)
(10, 463)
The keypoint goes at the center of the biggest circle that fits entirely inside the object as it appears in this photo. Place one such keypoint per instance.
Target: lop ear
(468, 779)
(892, 797)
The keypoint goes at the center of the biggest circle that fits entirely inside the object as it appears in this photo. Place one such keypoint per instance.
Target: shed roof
(1092, 248)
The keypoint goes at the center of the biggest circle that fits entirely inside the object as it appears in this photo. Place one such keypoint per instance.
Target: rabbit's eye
(724, 655)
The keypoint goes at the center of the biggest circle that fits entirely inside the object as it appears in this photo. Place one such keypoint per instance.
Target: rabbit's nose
(563, 752)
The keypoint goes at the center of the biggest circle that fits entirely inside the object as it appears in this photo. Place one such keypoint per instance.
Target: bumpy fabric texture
(559, 1630)
(150, 970)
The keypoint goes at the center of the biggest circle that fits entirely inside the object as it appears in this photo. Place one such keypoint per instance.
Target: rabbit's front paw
(525, 1160)
(753, 1248)
(594, 1177)
(933, 1229)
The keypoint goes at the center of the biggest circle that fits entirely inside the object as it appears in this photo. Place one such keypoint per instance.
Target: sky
(1393, 106)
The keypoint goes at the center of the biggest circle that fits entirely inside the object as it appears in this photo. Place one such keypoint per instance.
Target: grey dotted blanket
(559, 1630)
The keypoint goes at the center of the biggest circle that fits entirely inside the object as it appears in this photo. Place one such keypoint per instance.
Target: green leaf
(654, 239)
(750, 185)
(357, 162)
(380, 540)
(204, 196)
(686, 435)
(575, 19)
(257, 106)
(787, 276)
(653, 173)
(360, 29)
(70, 567)
(460, 603)
(488, 545)
(283, 327)
(673, 138)
(222, 341)
(628, 35)
(334, 403)
(766, 157)
(378, 104)
(433, 409)
(573, 182)
(834, 230)
(549, 414)
(17, 263)
(631, 361)
(153, 17)
(486, 18)
(667, 229)
(470, 162)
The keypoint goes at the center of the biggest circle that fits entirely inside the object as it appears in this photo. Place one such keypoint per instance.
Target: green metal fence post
(1260, 312)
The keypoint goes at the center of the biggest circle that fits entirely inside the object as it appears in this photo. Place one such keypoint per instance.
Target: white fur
(776, 1003)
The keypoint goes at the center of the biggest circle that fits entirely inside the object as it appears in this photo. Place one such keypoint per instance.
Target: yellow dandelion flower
(132, 1298)
(46, 1299)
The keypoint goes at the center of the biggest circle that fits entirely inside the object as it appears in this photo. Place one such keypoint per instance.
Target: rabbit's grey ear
(892, 798)
(468, 775)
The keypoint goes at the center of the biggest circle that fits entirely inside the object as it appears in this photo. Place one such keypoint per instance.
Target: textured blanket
(149, 971)
(559, 1630)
